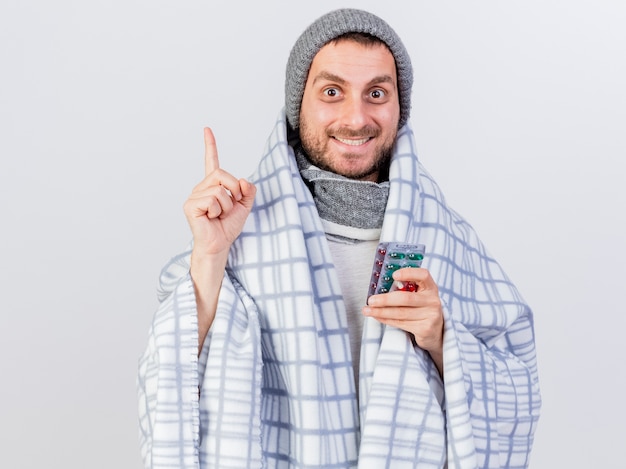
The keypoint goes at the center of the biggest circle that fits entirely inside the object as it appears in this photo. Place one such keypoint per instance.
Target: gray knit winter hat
(329, 27)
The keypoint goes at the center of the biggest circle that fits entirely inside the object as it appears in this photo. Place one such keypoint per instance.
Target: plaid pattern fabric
(273, 386)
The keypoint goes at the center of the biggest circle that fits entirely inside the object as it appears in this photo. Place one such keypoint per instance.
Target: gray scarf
(344, 201)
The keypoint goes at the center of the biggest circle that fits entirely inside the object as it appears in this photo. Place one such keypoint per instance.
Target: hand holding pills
(404, 295)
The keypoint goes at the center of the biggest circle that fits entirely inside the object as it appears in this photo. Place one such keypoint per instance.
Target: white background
(520, 114)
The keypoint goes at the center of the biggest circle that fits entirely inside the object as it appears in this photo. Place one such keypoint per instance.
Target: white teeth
(353, 142)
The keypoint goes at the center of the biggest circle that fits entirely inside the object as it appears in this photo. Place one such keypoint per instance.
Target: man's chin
(353, 165)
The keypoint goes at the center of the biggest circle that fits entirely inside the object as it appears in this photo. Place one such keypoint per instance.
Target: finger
(212, 204)
(218, 177)
(211, 162)
(225, 203)
(421, 298)
(248, 191)
(403, 313)
(419, 276)
(389, 313)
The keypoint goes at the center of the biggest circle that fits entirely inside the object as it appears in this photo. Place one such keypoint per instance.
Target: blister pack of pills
(389, 258)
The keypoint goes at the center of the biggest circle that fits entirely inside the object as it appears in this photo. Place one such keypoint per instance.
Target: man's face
(350, 109)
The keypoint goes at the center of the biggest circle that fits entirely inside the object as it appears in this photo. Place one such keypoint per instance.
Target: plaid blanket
(273, 385)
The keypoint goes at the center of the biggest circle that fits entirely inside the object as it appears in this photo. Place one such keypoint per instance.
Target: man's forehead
(335, 59)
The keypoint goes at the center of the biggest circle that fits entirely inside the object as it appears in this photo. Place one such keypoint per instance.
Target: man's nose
(354, 112)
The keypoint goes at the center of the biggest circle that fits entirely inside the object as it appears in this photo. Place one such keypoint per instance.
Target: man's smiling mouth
(353, 142)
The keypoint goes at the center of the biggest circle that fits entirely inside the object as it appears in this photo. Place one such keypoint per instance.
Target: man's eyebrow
(323, 75)
(328, 76)
(382, 79)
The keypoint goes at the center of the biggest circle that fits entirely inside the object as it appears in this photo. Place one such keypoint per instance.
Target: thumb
(248, 191)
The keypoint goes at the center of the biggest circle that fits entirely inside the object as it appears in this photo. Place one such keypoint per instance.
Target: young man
(266, 350)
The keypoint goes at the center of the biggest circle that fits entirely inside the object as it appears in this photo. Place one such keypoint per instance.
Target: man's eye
(331, 92)
(377, 94)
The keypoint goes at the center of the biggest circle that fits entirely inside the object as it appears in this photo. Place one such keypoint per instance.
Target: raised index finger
(211, 163)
